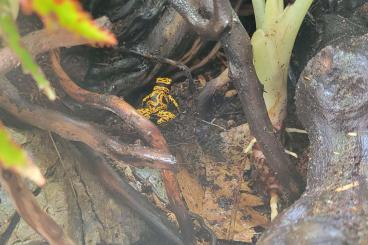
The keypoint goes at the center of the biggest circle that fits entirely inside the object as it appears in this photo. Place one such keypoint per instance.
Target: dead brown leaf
(226, 202)
(191, 190)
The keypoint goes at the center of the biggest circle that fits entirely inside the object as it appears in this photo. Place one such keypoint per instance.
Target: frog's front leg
(146, 98)
(146, 112)
(165, 116)
(173, 101)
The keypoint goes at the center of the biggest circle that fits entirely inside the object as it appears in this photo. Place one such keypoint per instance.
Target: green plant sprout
(273, 41)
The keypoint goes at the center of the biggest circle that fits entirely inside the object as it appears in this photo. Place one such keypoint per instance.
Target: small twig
(274, 199)
(293, 154)
(235, 208)
(212, 124)
(5, 236)
(30, 211)
(63, 165)
(203, 61)
(189, 55)
(182, 66)
(357, 133)
(249, 147)
(347, 187)
(295, 130)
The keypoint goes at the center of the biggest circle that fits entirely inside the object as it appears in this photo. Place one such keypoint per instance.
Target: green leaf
(259, 12)
(69, 15)
(277, 28)
(12, 157)
(10, 154)
(14, 7)
(12, 38)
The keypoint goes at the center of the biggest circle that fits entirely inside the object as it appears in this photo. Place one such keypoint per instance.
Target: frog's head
(163, 81)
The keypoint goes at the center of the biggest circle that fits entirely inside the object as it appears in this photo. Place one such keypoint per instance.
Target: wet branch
(210, 89)
(73, 129)
(212, 28)
(185, 69)
(76, 130)
(237, 47)
(238, 50)
(145, 128)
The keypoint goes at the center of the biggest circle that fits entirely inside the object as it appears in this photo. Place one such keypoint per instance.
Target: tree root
(28, 208)
(145, 128)
(210, 89)
(197, 45)
(210, 55)
(186, 70)
(203, 62)
(237, 48)
(77, 130)
(122, 192)
(213, 28)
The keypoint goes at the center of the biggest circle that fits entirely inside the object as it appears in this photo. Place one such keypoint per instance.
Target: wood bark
(332, 104)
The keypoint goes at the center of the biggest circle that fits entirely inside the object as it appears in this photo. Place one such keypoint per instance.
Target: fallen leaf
(191, 190)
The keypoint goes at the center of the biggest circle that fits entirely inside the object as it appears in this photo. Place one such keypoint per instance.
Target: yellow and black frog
(156, 103)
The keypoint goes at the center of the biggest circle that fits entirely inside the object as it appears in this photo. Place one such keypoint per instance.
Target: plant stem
(272, 43)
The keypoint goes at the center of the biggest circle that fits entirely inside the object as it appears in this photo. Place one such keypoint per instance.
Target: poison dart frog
(156, 103)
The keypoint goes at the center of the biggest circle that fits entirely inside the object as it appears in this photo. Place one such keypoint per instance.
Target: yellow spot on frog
(156, 103)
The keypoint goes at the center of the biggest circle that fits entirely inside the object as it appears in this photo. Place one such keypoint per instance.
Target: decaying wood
(30, 211)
